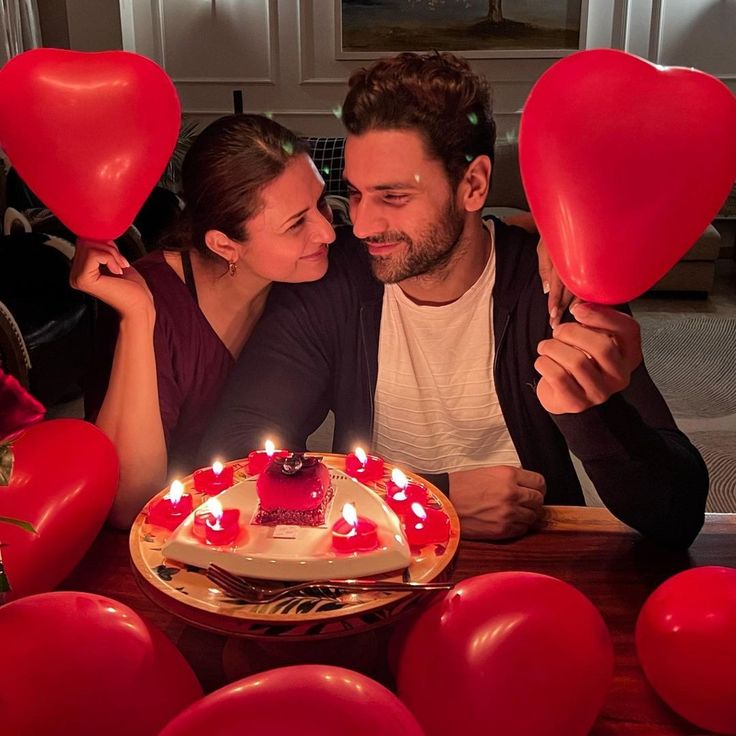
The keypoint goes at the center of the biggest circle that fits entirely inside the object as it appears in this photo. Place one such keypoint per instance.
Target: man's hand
(498, 502)
(587, 361)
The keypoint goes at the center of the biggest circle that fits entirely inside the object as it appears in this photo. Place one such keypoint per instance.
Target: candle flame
(270, 448)
(399, 478)
(176, 491)
(350, 515)
(217, 467)
(419, 511)
(215, 508)
(360, 454)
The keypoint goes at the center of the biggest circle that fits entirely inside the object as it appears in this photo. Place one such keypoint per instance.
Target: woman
(254, 214)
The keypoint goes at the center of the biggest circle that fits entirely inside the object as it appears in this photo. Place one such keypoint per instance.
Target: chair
(52, 320)
(14, 358)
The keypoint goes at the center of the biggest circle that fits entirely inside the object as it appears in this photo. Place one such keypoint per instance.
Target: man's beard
(427, 255)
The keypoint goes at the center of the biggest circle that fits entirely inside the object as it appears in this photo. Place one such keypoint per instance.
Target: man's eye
(396, 198)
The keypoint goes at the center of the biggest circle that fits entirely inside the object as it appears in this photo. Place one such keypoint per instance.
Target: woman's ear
(220, 244)
(475, 184)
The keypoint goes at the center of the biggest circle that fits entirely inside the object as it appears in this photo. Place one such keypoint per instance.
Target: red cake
(293, 490)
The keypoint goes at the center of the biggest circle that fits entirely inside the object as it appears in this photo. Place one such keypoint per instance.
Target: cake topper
(294, 462)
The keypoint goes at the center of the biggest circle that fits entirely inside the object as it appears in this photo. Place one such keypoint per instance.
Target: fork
(253, 593)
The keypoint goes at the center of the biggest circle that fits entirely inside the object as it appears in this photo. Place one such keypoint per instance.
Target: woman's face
(288, 237)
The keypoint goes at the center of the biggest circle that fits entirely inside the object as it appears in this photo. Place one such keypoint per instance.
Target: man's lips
(382, 249)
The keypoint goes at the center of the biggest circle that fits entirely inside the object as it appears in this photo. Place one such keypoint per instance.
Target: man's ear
(223, 246)
(475, 184)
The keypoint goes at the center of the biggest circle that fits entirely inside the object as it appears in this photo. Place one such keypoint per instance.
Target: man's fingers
(600, 346)
(560, 379)
(607, 319)
(525, 516)
(531, 499)
(624, 329)
(530, 479)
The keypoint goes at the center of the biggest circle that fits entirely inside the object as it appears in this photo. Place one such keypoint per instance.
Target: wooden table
(586, 547)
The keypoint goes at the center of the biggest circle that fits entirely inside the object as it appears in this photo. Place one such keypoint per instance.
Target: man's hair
(438, 95)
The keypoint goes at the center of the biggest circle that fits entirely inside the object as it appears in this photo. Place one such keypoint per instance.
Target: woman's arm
(130, 413)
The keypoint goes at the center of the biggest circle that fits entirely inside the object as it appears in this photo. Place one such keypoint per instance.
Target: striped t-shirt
(436, 408)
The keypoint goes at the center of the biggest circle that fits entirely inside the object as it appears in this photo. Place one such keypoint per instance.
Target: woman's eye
(297, 224)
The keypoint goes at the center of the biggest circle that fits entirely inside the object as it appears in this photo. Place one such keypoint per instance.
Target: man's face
(401, 204)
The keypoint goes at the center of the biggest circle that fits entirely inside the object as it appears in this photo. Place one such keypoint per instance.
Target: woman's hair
(437, 95)
(223, 174)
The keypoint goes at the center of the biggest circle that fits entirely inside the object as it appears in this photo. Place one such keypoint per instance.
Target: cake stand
(186, 592)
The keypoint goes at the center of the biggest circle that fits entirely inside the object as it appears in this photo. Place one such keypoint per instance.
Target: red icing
(302, 491)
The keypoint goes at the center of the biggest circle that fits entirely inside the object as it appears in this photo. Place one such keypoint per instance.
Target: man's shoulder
(516, 257)
(510, 239)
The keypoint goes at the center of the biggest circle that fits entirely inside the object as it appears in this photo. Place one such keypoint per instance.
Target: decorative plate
(294, 553)
(185, 590)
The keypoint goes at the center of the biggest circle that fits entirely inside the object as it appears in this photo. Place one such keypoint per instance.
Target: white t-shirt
(436, 408)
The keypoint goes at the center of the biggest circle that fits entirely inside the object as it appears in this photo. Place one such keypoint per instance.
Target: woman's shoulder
(157, 270)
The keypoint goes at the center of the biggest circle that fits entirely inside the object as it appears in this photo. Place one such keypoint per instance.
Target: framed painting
(478, 28)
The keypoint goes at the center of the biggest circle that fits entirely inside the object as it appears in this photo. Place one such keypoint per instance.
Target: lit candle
(205, 513)
(172, 509)
(401, 493)
(213, 480)
(363, 467)
(258, 460)
(426, 526)
(218, 529)
(353, 533)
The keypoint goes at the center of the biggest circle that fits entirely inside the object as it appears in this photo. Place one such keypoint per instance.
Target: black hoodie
(316, 349)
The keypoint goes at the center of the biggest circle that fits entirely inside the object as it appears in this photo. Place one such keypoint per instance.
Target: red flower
(18, 409)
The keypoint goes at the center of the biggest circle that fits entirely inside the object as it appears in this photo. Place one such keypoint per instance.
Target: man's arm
(614, 419)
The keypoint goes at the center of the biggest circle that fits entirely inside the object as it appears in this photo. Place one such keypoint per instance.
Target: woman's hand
(559, 297)
(587, 361)
(122, 287)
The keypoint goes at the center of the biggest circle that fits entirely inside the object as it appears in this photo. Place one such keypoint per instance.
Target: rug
(692, 359)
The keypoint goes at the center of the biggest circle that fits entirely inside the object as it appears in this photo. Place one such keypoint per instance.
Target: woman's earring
(232, 267)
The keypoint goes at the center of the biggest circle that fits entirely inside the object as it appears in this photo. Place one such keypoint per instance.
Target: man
(430, 339)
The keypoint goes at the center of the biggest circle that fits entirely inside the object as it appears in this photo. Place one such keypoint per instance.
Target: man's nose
(367, 220)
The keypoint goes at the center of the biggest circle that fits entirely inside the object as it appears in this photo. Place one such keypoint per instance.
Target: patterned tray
(186, 592)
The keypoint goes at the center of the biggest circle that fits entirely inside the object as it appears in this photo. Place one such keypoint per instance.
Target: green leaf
(6, 463)
(166, 573)
(17, 522)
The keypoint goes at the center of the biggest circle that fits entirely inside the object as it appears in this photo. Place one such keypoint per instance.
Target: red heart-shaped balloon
(90, 133)
(624, 164)
(84, 664)
(64, 480)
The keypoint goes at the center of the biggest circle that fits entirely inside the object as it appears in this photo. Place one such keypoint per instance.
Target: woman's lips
(316, 255)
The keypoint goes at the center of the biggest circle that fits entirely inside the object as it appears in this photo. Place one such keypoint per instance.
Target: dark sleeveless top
(192, 362)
